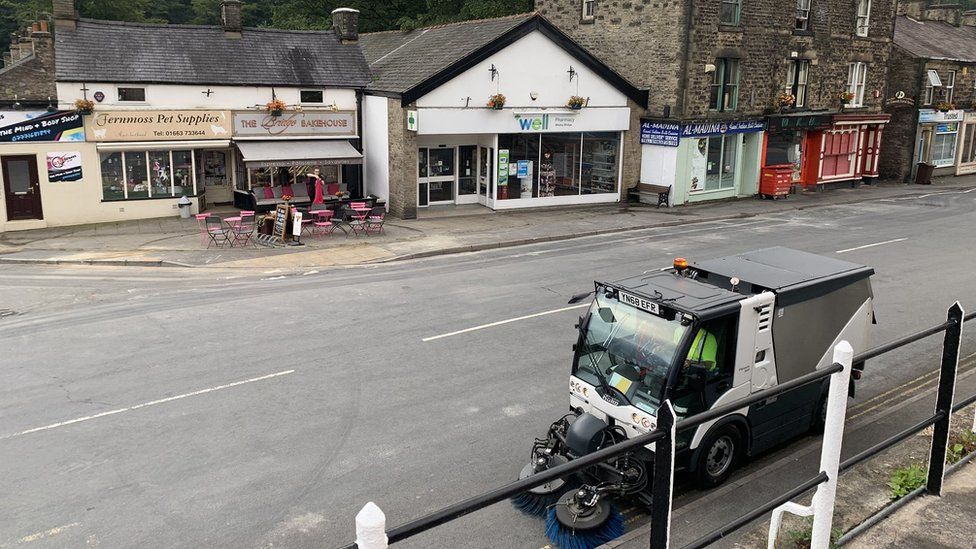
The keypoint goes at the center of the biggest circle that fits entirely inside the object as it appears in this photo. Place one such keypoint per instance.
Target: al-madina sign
(157, 125)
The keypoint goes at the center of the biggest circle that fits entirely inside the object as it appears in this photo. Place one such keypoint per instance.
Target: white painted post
(822, 507)
(371, 528)
(833, 439)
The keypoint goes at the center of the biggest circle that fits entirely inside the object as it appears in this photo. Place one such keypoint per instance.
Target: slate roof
(109, 51)
(935, 39)
(401, 60)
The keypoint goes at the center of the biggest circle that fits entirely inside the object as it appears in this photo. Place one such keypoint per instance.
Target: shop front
(967, 150)
(164, 155)
(937, 139)
(530, 158)
(817, 149)
(702, 160)
(310, 149)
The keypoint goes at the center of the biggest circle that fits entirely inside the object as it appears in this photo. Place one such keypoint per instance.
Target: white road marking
(871, 245)
(500, 322)
(275, 278)
(45, 534)
(145, 404)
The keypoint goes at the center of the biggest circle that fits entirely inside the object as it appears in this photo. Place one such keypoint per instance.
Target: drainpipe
(682, 95)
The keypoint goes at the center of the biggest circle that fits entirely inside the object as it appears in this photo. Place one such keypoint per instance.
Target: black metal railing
(663, 439)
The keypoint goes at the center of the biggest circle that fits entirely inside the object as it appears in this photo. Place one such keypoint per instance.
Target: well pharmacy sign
(546, 122)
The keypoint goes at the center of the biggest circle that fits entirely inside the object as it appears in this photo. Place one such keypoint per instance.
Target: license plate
(639, 302)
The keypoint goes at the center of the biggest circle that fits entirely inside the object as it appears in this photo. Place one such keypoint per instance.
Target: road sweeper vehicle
(700, 335)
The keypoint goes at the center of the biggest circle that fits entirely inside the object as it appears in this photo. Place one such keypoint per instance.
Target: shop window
(311, 96)
(183, 173)
(725, 85)
(802, 15)
(863, 20)
(720, 155)
(523, 158)
(160, 174)
(968, 155)
(559, 168)
(943, 148)
(212, 167)
(856, 79)
(600, 157)
(785, 148)
(796, 83)
(112, 187)
(950, 85)
(839, 149)
(135, 95)
(260, 177)
(588, 10)
(729, 12)
(136, 174)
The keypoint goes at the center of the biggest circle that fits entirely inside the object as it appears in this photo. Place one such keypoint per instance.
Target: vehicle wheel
(717, 456)
(820, 416)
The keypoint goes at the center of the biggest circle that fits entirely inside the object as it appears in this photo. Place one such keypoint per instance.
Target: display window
(839, 150)
(147, 174)
(558, 164)
(968, 153)
(714, 162)
(784, 148)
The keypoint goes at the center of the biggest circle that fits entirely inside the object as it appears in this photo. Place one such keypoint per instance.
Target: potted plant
(846, 97)
(496, 102)
(575, 102)
(275, 107)
(943, 106)
(84, 106)
(786, 101)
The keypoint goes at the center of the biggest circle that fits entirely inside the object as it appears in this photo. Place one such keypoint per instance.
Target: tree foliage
(375, 15)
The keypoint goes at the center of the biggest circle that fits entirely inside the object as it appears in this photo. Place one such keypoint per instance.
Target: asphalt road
(171, 408)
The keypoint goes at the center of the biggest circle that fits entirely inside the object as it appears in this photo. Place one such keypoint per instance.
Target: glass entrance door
(484, 175)
(467, 174)
(435, 176)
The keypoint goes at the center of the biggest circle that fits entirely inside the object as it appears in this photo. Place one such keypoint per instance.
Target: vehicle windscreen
(631, 349)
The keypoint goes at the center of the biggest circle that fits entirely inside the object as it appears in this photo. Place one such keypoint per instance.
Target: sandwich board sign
(280, 228)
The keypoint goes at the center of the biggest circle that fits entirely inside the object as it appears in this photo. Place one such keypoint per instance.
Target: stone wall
(403, 163)
(28, 71)
(898, 140)
(645, 42)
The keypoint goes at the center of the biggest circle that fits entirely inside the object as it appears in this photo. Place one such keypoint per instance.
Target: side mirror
(579, 297)
(697, 373)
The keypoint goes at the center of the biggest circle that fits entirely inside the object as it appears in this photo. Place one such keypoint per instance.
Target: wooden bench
(663, 192)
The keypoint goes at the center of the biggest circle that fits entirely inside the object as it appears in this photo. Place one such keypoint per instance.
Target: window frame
(118, 94)
(857, 82)
(123, 161)
(726, 78)
(793, 84)
(949, 87)
(932, 81)
(802, 15)
(587, 10)
(737, 12)
(862, 21)
(302, 101)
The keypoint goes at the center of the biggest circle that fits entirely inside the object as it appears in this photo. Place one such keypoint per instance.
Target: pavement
(189, 407)
(930, 521)
(177, 242)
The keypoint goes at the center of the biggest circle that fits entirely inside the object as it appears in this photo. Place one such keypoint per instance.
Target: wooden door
(22, 190)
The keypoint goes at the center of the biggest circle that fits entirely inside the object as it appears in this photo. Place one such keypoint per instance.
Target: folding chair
(218, 233)
(243, 231)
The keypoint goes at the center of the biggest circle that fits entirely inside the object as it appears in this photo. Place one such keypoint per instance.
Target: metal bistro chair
(218, 233)
(375, 220)
(359, 212)
(202, 225)
(243, 230)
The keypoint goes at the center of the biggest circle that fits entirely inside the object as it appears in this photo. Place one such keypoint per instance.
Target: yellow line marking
(47, 534)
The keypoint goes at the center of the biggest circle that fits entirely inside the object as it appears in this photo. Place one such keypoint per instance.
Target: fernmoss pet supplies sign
(63, 166)
(158, 125)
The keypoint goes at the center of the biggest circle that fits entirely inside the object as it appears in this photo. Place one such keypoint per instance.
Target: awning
(267, 154)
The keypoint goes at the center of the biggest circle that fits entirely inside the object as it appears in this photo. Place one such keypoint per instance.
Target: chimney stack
(345, 23)
(949, 13)
(65, 15)
(230, 15)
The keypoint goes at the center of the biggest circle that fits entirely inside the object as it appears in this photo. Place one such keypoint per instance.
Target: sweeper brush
(583, 520)
(537, 501)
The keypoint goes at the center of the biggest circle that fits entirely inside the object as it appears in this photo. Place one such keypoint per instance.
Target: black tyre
(819, 416)
(717, 456)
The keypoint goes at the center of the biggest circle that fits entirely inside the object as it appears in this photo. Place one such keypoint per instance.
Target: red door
(21, 188)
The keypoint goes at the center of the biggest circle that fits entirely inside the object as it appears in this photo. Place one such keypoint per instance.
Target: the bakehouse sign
(295, 124)
(157, 125)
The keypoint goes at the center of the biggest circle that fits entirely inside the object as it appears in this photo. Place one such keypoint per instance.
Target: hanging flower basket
(84, 106)
(496, 102)
(576, 102)
(846, 98)
(943, 106)
(786, 101)
(276, 107)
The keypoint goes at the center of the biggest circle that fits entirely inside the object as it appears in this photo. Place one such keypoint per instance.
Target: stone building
(715, 68)
(27, 75)
(506, 112)
(932, 93)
